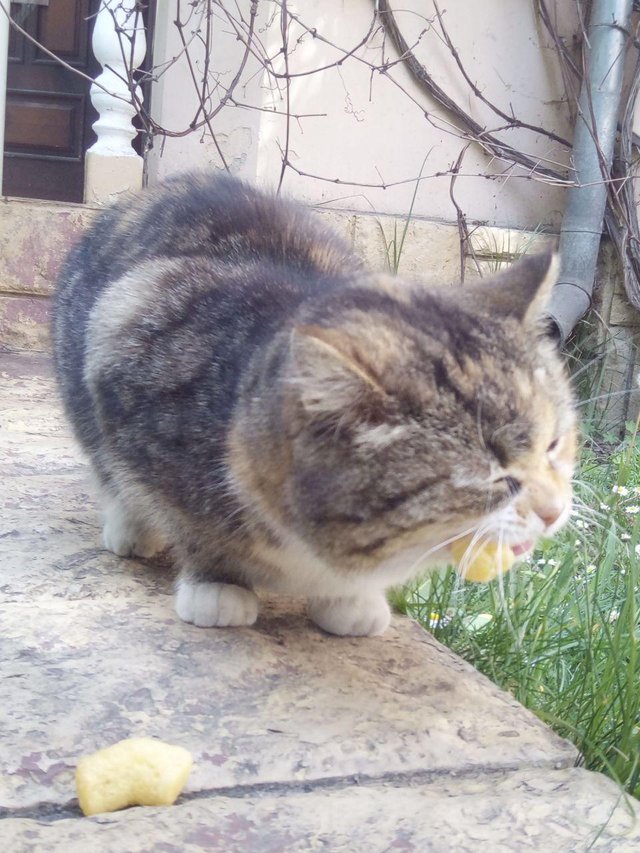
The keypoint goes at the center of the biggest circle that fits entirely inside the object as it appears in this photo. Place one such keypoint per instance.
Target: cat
(249, 394)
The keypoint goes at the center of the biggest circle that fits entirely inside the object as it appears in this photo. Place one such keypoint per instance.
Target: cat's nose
(549, 514)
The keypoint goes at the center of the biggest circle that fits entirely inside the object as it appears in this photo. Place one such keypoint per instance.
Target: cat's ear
(332, 374)
(522, 291)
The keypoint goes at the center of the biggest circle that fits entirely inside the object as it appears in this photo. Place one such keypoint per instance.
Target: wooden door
(49, 113)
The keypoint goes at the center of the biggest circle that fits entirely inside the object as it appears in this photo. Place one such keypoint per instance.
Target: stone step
(301, 741)
(35, 237)
(524, 809)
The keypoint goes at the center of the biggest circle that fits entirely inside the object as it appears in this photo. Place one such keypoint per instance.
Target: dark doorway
(49, 113)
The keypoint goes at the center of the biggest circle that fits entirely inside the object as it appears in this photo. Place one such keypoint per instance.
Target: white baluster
(119, 45)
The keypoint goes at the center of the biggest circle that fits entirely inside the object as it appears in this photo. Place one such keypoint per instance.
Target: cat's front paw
(123, 537)
(215, 605)
(353, 616)
(129, 544)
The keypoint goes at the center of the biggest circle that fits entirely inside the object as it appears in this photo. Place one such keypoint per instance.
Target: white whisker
(438, 547)
(503, 598)
(607, 396)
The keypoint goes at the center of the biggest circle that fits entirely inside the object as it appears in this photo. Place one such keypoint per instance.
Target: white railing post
(119, 45)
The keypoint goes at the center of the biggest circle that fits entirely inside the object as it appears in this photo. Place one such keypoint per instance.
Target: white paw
(117, 535)
(215, 605)
(355, 616)
(147, 544)
(125, 538)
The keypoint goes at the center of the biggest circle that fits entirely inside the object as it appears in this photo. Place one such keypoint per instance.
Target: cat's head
(413, 416)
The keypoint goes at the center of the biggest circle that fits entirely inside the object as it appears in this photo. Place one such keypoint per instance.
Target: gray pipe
(596, 124)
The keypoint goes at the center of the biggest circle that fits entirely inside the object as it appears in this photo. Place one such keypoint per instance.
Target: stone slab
(278, 703)
(49, 521)
(525, 810)
(93, 652)
(24, 322)
(34, 239)
(301, 741)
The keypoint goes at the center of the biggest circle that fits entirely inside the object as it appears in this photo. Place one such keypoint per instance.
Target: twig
(284, 32)
(475, 131)
(463, 230)
(513, 122)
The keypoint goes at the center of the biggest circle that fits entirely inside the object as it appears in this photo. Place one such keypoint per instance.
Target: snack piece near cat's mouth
(483, 560)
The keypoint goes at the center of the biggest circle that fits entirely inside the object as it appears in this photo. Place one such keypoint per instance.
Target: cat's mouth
(522, 547)
(517, 548)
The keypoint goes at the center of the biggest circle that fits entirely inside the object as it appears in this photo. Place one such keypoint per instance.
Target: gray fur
(249, 394)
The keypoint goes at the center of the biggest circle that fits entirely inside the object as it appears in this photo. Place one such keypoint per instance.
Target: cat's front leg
(351, 616)
(211, 604)
(125, 534)
(211, 590)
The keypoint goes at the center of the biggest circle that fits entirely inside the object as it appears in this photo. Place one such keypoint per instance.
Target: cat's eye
(511, 483)
(553, 446)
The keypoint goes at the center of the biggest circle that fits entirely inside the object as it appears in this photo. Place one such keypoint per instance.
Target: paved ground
(301, 741)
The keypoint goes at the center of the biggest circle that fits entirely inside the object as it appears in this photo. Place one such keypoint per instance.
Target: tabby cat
(249, 394)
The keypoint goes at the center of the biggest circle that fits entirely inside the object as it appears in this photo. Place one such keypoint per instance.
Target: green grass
(562, 632)
(394, 245)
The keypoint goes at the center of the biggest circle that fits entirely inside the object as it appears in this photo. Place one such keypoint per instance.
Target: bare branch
(475, 131)
(512, 121)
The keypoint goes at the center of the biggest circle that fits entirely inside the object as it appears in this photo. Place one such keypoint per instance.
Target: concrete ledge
(522, 810)
(300, 740)
(35, 237)
(24, 322)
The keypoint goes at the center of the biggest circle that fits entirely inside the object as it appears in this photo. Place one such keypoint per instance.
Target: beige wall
(370, 127)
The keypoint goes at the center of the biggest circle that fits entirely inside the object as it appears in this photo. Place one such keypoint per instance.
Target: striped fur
(248, 393)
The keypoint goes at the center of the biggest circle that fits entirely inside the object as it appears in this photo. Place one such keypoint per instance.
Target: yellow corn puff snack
(487, 559)
(133, 772)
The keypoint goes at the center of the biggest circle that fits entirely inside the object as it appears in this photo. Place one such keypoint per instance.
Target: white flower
(613, 615)
(620, 490)
(637, 550)
(434, 620)
(625, 537)
(632, 510)
(552, 562)
(581, 524)
(590, 569)
(437, 620)
(542, 562)
(605, 507)
(577, 543)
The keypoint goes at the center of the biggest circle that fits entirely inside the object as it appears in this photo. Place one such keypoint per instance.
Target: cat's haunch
(249, 394)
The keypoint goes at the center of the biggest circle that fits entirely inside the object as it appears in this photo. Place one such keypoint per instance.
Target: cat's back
(200, 214)
(193, 215)
(198, 259)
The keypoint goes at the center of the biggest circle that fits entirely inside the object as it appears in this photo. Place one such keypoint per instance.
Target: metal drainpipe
(596, 124)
